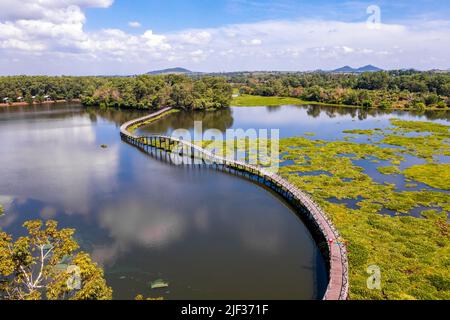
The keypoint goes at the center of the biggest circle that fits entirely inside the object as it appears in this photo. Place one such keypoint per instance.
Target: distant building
(20, 99)
(5, 100)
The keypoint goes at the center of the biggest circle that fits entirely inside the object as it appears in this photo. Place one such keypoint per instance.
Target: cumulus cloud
(47, 9)
(53, 31)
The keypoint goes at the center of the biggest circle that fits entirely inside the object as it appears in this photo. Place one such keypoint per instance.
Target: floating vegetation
(435, 143)
(389, 170)
(422, 147)
(434, 175)
(421, 126)
(412, 253)
(358, 131)
(375, 219)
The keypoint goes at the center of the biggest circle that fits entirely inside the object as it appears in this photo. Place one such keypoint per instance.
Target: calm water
(327, 123)
(209, 234)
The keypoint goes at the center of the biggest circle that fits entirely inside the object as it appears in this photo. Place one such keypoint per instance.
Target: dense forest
(135, 92)
(393, 89)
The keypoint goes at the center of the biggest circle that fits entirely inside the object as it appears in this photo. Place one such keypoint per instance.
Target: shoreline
(318, 223)
(299, 102)
(25, 104)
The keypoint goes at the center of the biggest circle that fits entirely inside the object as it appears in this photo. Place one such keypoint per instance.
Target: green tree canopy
(45, 264)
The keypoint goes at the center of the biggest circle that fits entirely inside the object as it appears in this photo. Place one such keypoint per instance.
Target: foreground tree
(45, 265)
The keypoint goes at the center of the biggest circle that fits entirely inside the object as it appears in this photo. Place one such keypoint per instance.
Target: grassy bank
(256, 101)
(246, 100)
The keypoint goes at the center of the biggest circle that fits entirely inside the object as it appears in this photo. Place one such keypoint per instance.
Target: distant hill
(171, 71)
(348, 69)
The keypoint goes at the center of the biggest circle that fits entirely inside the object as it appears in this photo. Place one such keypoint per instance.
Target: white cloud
(47, 9)
(51, 32)
(193, 37)
(134, 24)
(253, 42)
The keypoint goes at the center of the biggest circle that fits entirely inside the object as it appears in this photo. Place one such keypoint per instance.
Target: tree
(419, 105)
(45, 265)
(367, 104)
(385, 105)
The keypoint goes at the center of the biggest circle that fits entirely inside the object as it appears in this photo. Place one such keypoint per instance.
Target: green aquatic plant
(389, 170)
(374, 219)
(421, 126)
(413, 254)
(359, 131)
(434, 175)
(423, 147)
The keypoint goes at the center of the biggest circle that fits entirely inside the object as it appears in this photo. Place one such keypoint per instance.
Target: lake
(210, 235)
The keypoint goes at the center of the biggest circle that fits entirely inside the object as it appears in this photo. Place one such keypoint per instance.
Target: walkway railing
(336, 252)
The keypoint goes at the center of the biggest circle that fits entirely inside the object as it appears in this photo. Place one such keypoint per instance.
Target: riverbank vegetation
(247, 100)
(145, 92)
(45, 264)
(384, 90)
(404, 232)
(376, 220)
(154, 92)
(410, 90)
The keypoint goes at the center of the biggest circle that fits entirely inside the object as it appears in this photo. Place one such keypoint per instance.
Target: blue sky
(174, 15)
(105, 37)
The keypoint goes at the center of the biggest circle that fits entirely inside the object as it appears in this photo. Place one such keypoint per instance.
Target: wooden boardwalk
(334, 249)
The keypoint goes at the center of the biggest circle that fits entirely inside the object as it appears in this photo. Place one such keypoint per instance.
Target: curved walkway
(335, 252)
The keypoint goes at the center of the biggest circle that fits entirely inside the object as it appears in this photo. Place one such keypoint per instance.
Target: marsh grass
(246, 100)
(413, 253)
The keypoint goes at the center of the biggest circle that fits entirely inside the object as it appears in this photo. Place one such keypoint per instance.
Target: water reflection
(210, 235)
(220, 119)
(327, 122)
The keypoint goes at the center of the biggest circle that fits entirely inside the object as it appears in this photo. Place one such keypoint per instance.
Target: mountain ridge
(348, 69)
(176, 70)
